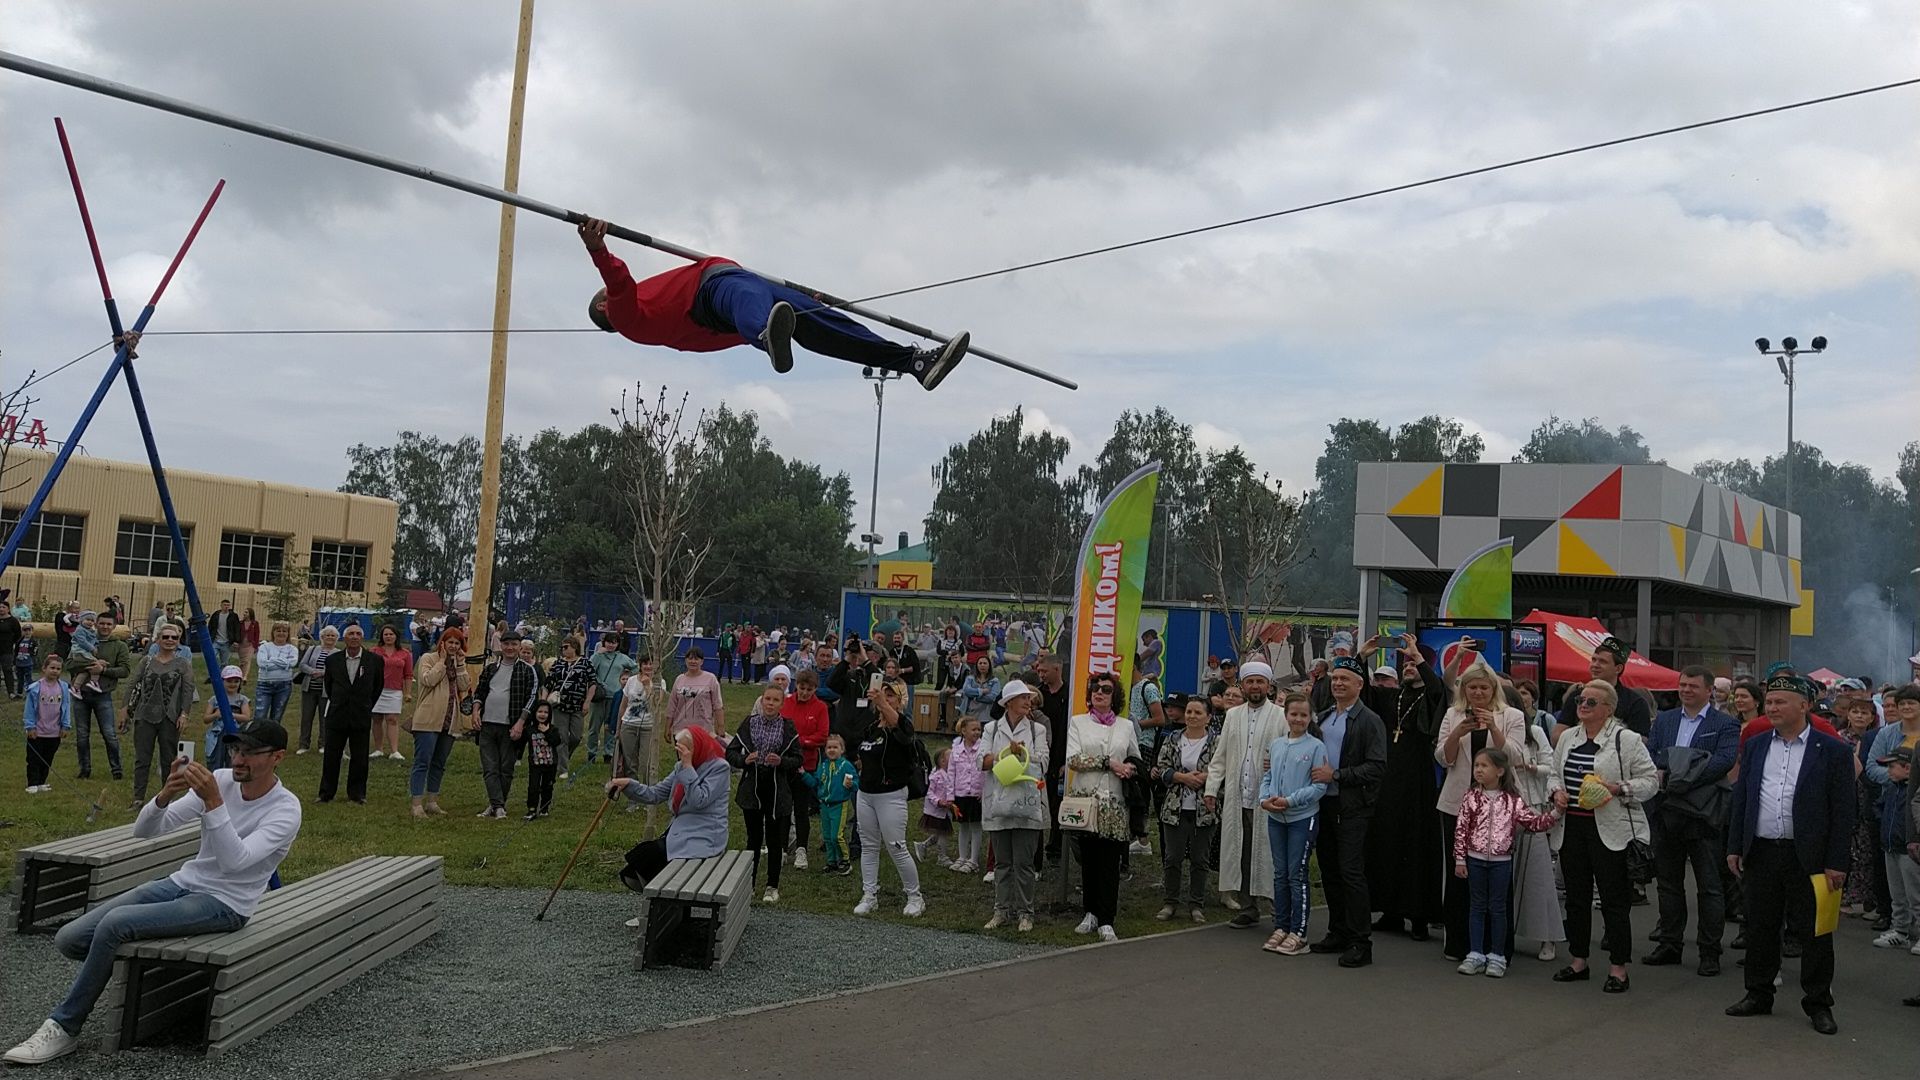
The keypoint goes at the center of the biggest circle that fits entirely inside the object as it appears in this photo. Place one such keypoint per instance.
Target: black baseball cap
(1898, 754)
(257, 735)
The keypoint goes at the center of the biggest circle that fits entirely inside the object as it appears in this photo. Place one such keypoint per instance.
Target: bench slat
(369, 896)
(336, 973)
(670, 878)
(297, 970)
(332, 889)
(693, 887)
(407, 896)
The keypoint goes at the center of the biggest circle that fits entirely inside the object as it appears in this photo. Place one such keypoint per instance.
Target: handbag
(1078, 813)
(1639, 853)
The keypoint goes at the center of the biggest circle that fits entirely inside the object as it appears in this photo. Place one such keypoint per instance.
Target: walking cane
(577, 848)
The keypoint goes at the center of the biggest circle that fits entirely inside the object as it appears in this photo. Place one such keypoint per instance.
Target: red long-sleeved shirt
(659, 310)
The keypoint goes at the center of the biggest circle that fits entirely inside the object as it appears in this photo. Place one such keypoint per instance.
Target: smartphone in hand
(183, 751)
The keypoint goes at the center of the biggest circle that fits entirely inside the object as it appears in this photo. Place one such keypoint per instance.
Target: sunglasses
(1590, 702)
(169, 637)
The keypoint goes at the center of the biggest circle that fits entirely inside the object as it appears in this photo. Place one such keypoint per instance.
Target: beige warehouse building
(101, 533)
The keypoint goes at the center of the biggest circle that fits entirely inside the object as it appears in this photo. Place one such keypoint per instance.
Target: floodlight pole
(94, 84)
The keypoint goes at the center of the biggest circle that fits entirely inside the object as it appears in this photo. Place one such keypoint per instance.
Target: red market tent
(1571, 640)
(1825, 676)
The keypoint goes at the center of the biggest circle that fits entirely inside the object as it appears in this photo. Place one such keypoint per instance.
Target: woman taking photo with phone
(888, 754)
(1480, 718)
(442, 713)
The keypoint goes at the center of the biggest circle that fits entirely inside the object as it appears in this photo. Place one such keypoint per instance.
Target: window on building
(251, 558)
(52, 541)
(143, 549)
(338, 567)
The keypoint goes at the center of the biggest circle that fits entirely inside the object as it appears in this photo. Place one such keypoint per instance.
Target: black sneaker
(930, 366)
(777, 338)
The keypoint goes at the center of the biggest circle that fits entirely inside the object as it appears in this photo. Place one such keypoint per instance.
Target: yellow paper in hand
(1826, 906)
(1593, 793)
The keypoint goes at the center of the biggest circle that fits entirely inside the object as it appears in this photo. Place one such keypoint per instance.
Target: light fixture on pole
(871, 537)
(1784, 356)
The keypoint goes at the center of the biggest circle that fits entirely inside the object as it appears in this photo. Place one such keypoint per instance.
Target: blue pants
(1291, 842)
(740, 300)
(430, 750)
(270, 700)
(90, 711)
(1488, 886)
(156, 909)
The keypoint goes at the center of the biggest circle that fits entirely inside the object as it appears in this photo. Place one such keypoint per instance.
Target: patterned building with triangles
(1687, 570)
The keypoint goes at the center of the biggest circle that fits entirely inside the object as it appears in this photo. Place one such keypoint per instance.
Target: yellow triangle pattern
(1679, 536)
(1424, 499)
(1578, 557)
(1759, 528)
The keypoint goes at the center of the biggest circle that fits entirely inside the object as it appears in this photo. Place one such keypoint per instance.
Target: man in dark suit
(1694, 747)
(1793, 820)
(1356, 742)
(354, 679)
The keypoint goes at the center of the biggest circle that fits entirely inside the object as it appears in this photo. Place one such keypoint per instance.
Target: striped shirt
(1579, 764)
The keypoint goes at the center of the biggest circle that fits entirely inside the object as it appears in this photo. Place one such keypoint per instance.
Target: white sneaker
(1915, 951)
(300, 751)
(1474, 964)
(996, 922)
(866, 905)
(771, 896)
(916, 907)
(633, 923)
(487, 813)
(1087, 925)
(563, 776)
(987, 877)
(1107, 934)
(397, 756)
(49, 1042)
(800, 858)
(1140, 847)
(1546, 950)
(1496, 967)
(1892, 939)
(1025, 925)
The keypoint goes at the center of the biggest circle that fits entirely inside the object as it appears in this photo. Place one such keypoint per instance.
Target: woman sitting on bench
(697, 795)
(248, 820)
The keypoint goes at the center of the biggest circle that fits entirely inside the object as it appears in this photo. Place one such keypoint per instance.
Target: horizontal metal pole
(93, 84)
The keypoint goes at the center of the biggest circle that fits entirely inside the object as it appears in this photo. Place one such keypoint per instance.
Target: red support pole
(86, 219)
(187, 243)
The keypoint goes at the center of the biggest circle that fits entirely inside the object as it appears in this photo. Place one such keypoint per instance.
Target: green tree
(437, 486)
(290, 600)
(1246, 535)
(1565, 442)
(1139, 438)
(1004, 519)
(1324, 574)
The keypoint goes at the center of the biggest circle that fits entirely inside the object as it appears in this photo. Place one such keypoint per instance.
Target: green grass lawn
(506, 853)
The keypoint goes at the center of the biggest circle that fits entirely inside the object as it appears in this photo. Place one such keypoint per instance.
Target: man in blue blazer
(1694, 747)
(1793, 819)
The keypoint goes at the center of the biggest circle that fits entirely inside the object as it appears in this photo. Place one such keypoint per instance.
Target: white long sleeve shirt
(241, 841)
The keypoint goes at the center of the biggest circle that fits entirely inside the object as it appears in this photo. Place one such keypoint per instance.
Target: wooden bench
(693, 912)
(56, 881)
(305, 940)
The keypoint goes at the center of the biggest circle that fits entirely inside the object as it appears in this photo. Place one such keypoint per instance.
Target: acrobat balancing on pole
(715, 304)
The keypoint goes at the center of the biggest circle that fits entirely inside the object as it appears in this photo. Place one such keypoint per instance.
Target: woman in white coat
(1233, 792)
(1593, 842)
(1480, 719)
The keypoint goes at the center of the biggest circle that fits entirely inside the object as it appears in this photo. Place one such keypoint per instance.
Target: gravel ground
(445, 1001)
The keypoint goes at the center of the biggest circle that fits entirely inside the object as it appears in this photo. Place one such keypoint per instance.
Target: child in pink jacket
(1483, 854)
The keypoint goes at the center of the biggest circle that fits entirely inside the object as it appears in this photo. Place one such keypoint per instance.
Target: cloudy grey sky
(865, 146)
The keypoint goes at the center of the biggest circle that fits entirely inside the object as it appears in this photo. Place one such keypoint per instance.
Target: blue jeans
(270, 700)
(1291, 843)
(741, 300)
(1488, 886)
(89, 711)
(430, 751)
(156, 909)
(220, 650)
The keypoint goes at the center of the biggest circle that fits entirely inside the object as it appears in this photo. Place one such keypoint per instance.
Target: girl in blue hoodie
(1292, 801)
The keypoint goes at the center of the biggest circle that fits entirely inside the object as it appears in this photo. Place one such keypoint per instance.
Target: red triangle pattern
(1739, 526)
(1600, 504)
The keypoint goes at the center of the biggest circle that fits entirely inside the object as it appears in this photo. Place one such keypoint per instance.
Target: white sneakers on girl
(999, 920)
(1087, 925)
(866, 905)
(1474, 964)
(49, 1042)
(1496, 967)
(1026, 923)
(987, 877)
(799, 858)
(1546, 950)
(771, 896)
(916, 906)
(1107, 934)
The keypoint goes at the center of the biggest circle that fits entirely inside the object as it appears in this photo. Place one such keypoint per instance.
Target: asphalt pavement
(1210, 1002)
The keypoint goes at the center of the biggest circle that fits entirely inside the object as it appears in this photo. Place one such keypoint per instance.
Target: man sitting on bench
(248, 820)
